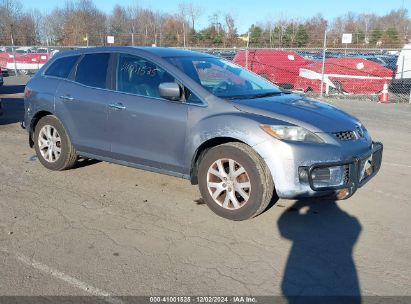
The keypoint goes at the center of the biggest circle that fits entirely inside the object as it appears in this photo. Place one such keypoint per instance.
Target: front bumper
(359, 170)
(288, 158)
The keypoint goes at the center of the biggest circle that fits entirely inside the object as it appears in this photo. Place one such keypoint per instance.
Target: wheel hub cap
(228, 184)
(49, 143)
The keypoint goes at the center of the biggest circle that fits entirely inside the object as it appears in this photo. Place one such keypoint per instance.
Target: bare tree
(10, 14)
(194, 12)
(231, 30)
(183, 13)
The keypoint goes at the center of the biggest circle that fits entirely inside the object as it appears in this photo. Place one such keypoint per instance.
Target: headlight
(293, 133)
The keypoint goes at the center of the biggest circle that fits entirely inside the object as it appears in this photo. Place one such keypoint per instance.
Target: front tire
(235, 182)
(53, 146)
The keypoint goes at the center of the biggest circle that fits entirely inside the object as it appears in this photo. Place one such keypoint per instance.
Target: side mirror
(170, 91)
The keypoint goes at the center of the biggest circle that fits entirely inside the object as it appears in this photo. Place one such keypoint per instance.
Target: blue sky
(248, 12)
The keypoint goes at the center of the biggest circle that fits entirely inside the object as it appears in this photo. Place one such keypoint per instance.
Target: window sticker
(140, 69)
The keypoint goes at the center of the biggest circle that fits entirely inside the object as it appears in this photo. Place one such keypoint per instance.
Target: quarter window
(62, 67)
(92, 70)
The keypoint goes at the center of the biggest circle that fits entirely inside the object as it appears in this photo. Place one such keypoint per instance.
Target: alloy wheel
(228, 184)
(49, 142)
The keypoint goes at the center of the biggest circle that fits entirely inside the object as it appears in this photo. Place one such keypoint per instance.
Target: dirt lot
(104, 229)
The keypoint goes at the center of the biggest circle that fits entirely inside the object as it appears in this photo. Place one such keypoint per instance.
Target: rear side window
(92, 70)
(62, 67)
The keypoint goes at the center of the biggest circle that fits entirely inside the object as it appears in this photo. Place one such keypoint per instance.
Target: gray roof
(157, 51)
(172, 52)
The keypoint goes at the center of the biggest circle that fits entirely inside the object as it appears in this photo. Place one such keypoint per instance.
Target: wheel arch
(36, 118)
(202, 149)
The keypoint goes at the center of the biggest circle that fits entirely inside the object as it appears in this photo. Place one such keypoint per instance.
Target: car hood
(295, 109)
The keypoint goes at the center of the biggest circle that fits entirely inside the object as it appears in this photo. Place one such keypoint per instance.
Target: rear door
(145, 128)
(83, 104)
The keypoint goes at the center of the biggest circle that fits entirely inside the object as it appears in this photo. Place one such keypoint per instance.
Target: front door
(145, 128)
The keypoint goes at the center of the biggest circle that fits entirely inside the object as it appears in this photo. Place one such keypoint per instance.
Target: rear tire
(53, 146)
(235, 182)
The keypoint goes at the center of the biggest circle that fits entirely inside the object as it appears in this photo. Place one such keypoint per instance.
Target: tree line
(81, 22)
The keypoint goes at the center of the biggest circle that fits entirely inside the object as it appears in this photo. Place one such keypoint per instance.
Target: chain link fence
(369, 74)
(346, 73)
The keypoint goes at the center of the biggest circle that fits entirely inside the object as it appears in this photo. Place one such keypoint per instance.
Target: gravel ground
(104, 229)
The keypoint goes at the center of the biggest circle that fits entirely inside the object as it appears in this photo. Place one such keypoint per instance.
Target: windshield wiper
(261, 95)
(268, 94)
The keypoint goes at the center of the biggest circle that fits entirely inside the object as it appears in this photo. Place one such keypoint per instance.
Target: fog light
(321, 174)
(325, 176)
(329, 176)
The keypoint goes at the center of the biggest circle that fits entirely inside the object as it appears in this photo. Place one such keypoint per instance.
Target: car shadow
(320, 266)
(12, 110)
(85, 162)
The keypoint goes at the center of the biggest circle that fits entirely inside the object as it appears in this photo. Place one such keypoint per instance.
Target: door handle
(117, 106)
(66, 98)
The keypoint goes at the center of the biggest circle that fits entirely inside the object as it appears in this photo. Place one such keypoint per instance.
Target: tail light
(27, 92)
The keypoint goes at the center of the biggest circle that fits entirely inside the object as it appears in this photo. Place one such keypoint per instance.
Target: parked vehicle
(312, 56)
(225, 54)
(199, 117)
(402, 80)
(25, 63)
(23, 50)
(280, 67)
(4, 72)
(344, 75)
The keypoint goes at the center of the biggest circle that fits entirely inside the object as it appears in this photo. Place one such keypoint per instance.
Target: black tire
(68, 156)
(262, 186)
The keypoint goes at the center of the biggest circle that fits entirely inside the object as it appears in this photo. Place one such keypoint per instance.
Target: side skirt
(133, 165)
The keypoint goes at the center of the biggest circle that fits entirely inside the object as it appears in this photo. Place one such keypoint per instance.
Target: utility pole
(132, 34)
(323, 65)
(145, 42)
(246, 51)
(184, 33)
(271, 33)
(13, 50)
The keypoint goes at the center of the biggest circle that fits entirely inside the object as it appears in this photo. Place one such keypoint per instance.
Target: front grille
(346, 135)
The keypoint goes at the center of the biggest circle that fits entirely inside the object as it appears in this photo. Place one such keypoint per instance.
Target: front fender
(235, 126)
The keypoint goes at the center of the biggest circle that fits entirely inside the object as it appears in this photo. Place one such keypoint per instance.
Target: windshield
(223, 78)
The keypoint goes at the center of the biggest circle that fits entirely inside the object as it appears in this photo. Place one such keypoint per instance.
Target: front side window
(92, 70)
(223, 78)
(62, 67)
(139, 76)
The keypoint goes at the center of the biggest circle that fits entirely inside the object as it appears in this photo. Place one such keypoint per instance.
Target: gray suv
(243, 140)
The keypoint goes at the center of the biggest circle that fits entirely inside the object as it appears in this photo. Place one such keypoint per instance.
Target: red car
(24, 62)
(280, 67)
